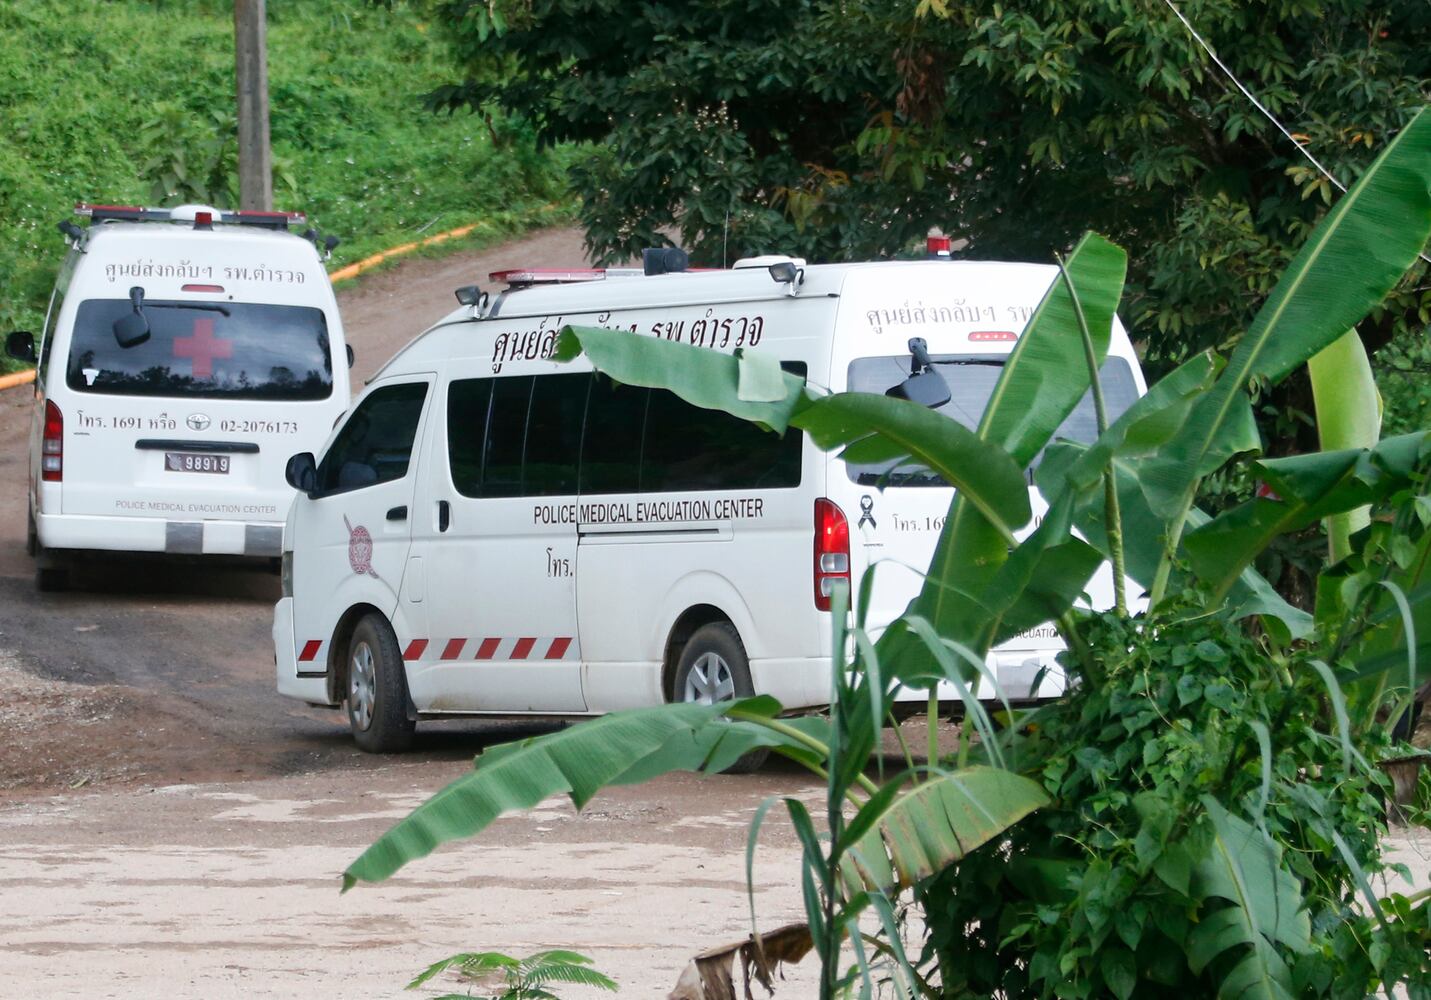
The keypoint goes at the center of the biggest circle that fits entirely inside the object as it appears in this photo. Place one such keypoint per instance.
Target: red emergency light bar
(992, 336)
(139, 213)
(560, 276)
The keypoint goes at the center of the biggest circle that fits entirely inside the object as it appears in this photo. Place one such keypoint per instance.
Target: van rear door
(900, 508)
(196, 420)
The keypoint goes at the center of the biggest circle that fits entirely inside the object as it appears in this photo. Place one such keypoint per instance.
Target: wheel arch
(338, 648)
(695, 617)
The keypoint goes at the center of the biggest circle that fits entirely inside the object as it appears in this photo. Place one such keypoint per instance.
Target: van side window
(686, 447)
(559, 435)
(515, 436)
(467, 403)
(375, 444)
(689, 448)
(506, 433)
(554, 435)
(611, 445)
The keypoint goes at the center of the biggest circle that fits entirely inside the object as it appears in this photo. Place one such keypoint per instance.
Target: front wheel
(713, 667)
(377, 689)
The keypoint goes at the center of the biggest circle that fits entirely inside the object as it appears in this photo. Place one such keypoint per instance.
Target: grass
(131, 101)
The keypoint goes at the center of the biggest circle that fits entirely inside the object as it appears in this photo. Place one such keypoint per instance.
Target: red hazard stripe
(558, 648)
(453, 649)
(522, 648)
(310, 650)
(415, 649)
(488, 649)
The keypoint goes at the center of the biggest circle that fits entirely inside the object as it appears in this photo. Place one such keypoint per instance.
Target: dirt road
(169, 826)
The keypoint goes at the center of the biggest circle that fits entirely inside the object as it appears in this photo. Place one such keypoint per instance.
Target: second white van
(492, 532)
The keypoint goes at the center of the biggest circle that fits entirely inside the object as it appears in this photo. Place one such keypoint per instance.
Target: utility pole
(251, 73)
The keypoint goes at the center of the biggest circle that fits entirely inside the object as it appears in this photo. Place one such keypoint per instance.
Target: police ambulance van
(186, 354)
(490, 532)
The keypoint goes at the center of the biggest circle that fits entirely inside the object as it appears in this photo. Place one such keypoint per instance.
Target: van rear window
(217, 350)
(971, 380)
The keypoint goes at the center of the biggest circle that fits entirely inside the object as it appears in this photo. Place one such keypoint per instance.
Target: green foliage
(1206, 835)
(1213, 811)
(133, 102)
(844, 130)
(520, 978)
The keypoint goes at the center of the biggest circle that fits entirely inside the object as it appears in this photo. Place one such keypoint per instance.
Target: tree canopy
(845, 128)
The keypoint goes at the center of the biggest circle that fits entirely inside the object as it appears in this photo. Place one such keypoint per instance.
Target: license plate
(188, 461)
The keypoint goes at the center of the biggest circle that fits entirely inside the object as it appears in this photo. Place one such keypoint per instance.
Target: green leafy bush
(133, 102)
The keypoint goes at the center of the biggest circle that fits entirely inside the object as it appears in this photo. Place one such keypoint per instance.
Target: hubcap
(362, 686)
(709, 681)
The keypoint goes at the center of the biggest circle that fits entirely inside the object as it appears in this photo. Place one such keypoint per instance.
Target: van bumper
(152, 534)
(312, 688)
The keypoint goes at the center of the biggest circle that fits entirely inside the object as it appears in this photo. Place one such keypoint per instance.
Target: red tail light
(52, 445)
(832, 551)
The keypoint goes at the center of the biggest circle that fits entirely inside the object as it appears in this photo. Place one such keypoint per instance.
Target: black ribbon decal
(866, 511)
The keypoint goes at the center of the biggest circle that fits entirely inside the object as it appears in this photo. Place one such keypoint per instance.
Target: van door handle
(444, 515)
(397, 513)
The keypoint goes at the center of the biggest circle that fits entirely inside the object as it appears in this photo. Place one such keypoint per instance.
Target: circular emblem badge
(197, 422)
(360, 549)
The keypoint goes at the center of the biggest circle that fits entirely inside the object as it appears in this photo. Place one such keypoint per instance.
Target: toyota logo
(198, 422)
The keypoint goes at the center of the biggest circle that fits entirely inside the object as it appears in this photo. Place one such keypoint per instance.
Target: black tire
(32, 537)
(376, 697)
(713, 667)
(52, 571)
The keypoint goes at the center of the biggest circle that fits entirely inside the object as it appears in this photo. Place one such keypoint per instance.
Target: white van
(186, 354)
(491, 532)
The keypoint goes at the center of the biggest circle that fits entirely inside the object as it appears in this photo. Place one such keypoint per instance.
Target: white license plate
(188, 461)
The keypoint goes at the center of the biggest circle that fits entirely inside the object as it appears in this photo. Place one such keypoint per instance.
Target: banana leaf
(1265, 910)
(700, 376)
(1309, 488)
(1348, 416)
(622, 747)
(1348, 264)
(865, 424)
(895, 840)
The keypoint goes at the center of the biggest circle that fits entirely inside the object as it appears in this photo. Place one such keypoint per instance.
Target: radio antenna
(725, 242)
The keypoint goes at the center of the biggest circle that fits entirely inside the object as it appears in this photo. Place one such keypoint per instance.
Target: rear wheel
(376, 694)
(713, 667)
(52, 570)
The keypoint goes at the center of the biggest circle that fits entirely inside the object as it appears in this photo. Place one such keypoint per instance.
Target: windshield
(217, 350)
(971, 380)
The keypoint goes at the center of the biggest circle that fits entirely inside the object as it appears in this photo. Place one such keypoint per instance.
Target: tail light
(52, 445)
(832, 551)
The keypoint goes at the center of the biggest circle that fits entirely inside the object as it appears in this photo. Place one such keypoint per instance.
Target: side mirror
(302, 473)
(351, 355)
(133, 329)
(20, 345)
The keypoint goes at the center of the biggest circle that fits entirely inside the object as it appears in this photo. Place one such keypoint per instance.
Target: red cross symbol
(203, 347)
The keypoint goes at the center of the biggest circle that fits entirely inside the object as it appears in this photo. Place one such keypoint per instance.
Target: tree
(839, 130)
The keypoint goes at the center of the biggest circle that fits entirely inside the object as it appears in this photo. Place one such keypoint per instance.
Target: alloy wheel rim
(362, 686)
(710, 680)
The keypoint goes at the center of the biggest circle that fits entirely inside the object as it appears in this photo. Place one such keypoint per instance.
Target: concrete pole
(251, 73)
